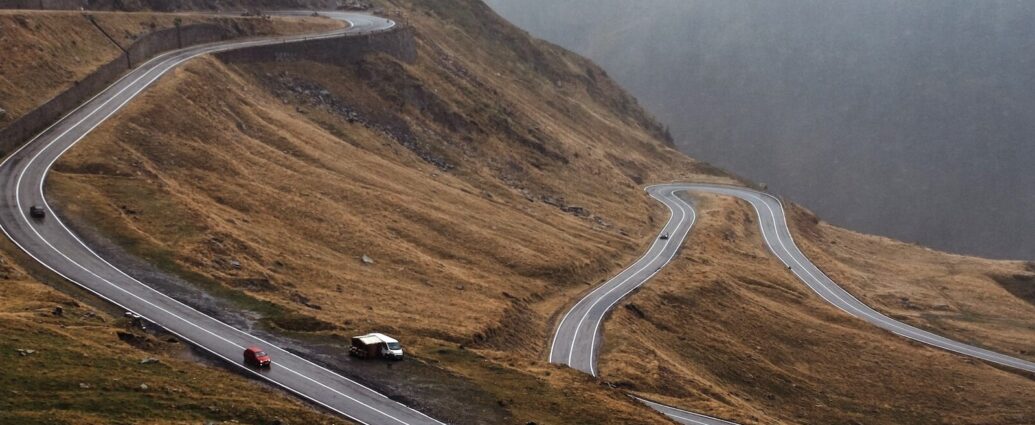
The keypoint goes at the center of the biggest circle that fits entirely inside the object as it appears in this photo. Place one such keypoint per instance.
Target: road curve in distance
(576, 339)
(51, 243)
(777, 236)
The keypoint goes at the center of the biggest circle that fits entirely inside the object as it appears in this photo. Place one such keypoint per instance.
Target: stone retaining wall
(149, 45)
(397, 42)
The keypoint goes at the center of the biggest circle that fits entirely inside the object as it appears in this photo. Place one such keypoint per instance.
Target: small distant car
(255, 357)
(664, 236)
(37, 211)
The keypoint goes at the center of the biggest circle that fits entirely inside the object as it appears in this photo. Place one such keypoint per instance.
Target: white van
(376, 345)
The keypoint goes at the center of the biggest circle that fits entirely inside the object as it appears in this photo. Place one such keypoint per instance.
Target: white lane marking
(596, 328)
(645, 264)
(195, 52)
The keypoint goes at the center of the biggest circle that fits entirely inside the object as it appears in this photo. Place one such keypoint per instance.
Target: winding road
(52, 244)
(576, 340)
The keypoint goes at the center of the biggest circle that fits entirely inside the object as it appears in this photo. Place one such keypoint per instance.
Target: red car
(256, 357)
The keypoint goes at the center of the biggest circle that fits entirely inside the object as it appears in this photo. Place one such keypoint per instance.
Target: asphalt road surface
(52, 244)
(576, 341)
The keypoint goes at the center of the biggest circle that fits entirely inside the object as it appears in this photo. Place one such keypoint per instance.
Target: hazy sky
(909, 118)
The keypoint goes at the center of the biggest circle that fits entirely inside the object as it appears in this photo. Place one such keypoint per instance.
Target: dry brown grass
(727, 330)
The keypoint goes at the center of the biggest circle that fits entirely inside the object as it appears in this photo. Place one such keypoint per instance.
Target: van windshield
(260, 354)
(394, 346)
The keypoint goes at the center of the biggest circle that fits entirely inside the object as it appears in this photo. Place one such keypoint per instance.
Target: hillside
(67, 362)
(267, 183)
(745, 340)
(461, 202)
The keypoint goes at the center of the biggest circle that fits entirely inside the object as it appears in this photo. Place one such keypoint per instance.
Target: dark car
(255, 357)
(37, 211)
(664, 236)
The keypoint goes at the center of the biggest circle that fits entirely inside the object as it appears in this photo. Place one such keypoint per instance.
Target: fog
(913, 119)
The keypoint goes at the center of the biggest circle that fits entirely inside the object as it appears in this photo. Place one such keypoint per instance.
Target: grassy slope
(82, 373)
(199, 174)
(45, 53)
(743, 338)
(248, 169)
